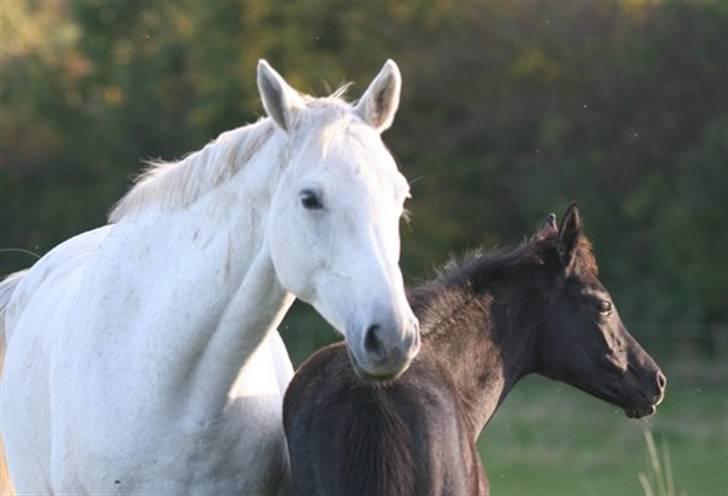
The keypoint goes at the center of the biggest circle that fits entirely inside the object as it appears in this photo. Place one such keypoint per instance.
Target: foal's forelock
(585, 261)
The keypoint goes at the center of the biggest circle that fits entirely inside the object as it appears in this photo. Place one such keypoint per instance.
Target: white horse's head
(333, 226)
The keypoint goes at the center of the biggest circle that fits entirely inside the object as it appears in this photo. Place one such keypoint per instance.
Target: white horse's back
(51, 280)
(64, 261)
(7, 288)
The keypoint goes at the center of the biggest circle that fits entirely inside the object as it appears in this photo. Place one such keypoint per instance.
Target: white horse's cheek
(286, 252)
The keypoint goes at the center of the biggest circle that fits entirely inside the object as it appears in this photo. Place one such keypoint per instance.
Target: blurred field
(550, 439)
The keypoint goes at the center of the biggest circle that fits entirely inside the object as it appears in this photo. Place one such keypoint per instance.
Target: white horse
(142, 356)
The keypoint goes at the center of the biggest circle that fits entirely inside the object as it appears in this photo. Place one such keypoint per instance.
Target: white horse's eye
(310, 199)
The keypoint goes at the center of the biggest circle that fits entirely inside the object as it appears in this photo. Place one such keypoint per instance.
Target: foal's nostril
(661, 381)
(373, 344)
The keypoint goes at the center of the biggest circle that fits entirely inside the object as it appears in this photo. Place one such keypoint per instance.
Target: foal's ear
(569, 234)
(281, 102)
(380, 101)
(548, 229)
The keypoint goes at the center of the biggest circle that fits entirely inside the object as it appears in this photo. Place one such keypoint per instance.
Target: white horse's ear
(380, 101)
(281, 102)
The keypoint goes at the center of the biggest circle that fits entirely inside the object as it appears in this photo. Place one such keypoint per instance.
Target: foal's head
(333, 226)
(583, 341)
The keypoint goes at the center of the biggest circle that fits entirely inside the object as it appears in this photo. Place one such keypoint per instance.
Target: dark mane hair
(479, 267)
(584, 260)
(459, 281)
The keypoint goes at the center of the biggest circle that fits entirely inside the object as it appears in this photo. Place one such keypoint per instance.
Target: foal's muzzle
(650, 392)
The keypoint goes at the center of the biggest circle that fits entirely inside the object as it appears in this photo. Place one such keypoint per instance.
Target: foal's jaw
(639, 382)
(640, 412)
(643, 409)
(637, 396)
(647, 392)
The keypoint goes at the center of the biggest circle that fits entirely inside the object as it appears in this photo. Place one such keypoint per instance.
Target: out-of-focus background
(509, 111)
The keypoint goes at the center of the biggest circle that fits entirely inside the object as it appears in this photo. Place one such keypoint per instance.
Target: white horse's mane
(177, 184)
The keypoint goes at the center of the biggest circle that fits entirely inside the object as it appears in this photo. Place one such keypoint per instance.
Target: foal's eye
(310, 199)
(605, 307)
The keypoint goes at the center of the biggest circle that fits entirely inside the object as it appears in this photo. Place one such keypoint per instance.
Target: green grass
(658, 480)
(550, 439)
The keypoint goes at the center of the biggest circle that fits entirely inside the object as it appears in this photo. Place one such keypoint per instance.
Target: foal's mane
(460, 282)
(177, 184)
(479, 266)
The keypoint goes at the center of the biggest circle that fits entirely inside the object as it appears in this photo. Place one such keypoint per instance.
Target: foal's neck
(485, 340)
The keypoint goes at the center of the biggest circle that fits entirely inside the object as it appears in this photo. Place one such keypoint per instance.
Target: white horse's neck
(237, 300)
(256, 309)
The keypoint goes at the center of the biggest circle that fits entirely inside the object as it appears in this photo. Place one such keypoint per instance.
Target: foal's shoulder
(327, 378)
(319, 376)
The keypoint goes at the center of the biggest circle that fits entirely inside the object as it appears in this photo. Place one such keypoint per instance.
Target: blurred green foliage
(509, 111)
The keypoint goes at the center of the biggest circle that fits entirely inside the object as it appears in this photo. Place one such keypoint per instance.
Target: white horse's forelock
(176, 184)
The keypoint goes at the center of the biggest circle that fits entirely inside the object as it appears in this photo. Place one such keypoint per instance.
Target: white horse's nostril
(373, 343)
